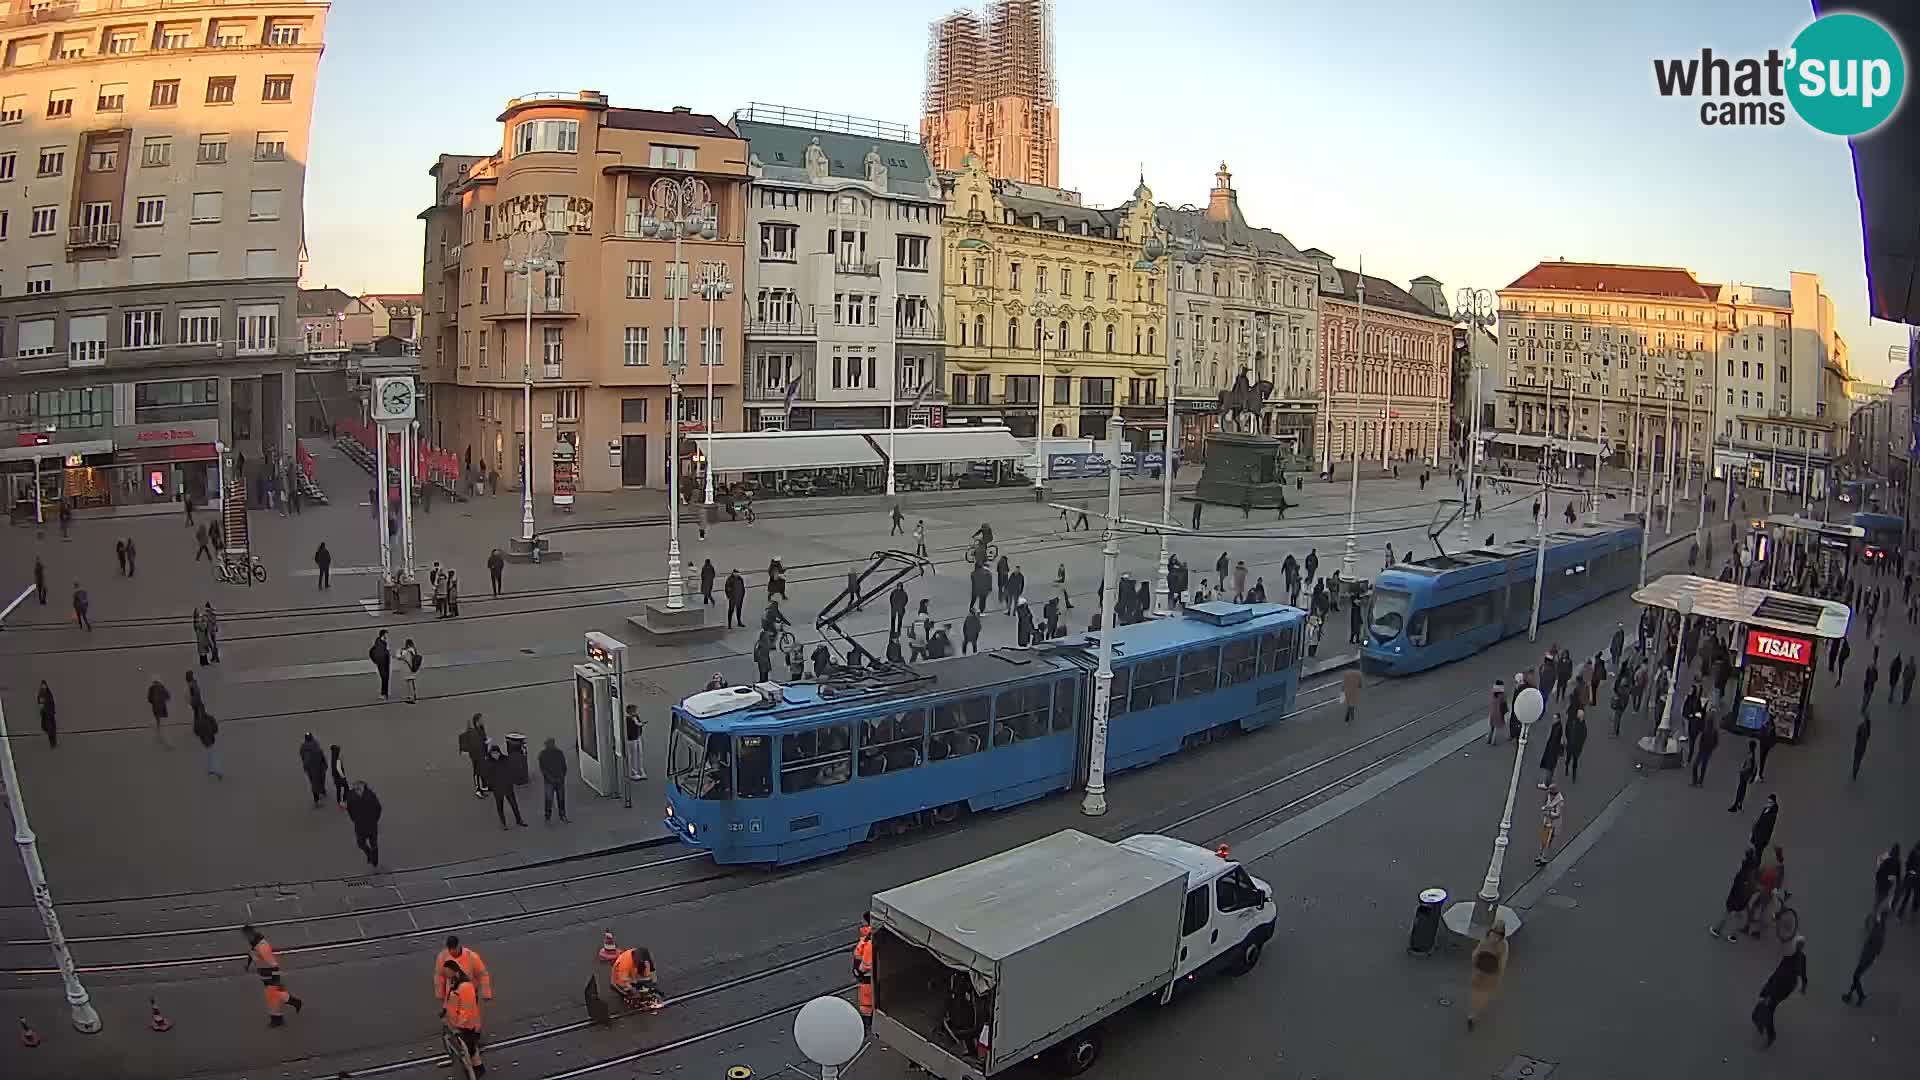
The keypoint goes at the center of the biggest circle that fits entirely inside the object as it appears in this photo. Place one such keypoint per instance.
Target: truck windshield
(1390, 608)
(700, 765)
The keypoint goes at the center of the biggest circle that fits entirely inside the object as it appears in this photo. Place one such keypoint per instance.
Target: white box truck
(1024, 954)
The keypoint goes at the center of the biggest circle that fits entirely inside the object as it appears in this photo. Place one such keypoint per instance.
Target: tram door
(1081, 698)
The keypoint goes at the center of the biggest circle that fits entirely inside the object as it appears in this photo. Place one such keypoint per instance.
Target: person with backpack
(410, 660)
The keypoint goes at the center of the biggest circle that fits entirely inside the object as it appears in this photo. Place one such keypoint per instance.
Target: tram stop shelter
(1785, 538)
(1775, 645)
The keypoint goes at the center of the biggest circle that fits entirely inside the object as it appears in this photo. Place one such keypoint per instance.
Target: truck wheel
(1247, 956)
(1077, 1054)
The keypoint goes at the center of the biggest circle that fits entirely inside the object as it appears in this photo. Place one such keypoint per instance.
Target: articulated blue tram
(1884, 533)
(780, 774)
(1437, 610)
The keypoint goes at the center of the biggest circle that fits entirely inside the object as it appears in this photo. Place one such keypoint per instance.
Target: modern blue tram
(783, 773)
(1437, 610)
(1884, 534)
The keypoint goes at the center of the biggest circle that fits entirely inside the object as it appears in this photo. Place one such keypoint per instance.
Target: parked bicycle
(234, 569)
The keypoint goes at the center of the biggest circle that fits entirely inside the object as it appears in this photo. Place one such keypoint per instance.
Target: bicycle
(1786, 921)
(457, 1052)
(784, 642)
(231, 569)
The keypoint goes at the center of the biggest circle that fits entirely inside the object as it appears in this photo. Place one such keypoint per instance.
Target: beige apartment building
(152, 169)
(596, 181)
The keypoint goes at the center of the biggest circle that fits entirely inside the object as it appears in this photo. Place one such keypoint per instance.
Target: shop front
(1197, 418)
(159, 463)
(1776, 683)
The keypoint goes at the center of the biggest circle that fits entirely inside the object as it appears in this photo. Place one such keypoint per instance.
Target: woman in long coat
(1489, 967)
(1550, 754)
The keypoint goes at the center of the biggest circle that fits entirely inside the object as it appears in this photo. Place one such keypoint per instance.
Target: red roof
(672, 121)
(1671, 281)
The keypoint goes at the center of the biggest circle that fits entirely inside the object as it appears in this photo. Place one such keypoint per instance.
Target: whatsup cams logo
(1844, 74)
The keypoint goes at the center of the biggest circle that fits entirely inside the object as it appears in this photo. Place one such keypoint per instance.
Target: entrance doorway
(633, 461)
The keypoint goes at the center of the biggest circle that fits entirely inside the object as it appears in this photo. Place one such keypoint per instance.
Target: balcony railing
(925, 330)
(758, 390)
(553, 371)
(855, 266)
(781, 326)
(513, 305)
(106, 235)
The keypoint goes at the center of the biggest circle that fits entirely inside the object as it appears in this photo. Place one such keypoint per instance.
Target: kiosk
(1776, 683)
(597, 695)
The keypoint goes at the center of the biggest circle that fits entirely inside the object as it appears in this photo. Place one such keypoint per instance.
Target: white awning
(929, 446)
(1728, 602)
(54, 450)
(768, 451)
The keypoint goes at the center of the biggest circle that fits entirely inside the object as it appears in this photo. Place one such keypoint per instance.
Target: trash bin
(517, 758)
(1426, 920)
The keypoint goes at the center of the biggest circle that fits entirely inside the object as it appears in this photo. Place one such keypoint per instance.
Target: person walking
(1196, 516)
(553, 779)
(1739, 894)
(410, 661)
(736, 590)
(1016, 586)
(1872, 678)
(207, 730)
(970, 632)
(473, 743)
(157, 697)
(707, 574)
(1886, 875)
(1906, 681)
(453, 594)
(897, 609)
(1840, 669)
(1703, 753)
(1768, 737)
(1874, 939)
(497, 566)
(1060, 586)
(1576, 742)
(80, 607)
(40, 581)
(382, 657)
(1622, 697)
(763, 653)
(262, 961)
(1350, 695)
(1893, 678)
(363, 809)
(337, 770)
(437, 582)
(313, 762)
(1489, 967)
(202, 540)
(1748, 769)
(120, 556)
(201, 643)
(48, 722)
(323, 562)
(897, 517)
(1550, 812)
(500, 782)
(1861, 733)
(1496, 712)
(1779, 986)
(1550, 752)
(636, 736)
(920, 538)
(1907, 897)
(1763, 825)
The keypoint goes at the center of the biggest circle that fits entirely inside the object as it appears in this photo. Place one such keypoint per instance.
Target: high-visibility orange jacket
(470, 962)
(863, 959)
(463, 1007)
(262, 956)
(628, 970)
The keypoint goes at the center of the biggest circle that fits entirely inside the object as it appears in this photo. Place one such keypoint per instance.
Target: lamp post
(1476, 308)
(1159, 244)
(1546, 508)
(714, 286)
(829, 1031)
(1661, 741)
(536, 260)
(1479, 914)
(1094, 803)
(1041, 309)
(677, 208)
(1646, 517)
(1353, 482)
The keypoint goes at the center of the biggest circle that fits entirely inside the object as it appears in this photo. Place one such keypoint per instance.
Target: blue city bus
(783, 773)
(1884, 534)
(1438, 610)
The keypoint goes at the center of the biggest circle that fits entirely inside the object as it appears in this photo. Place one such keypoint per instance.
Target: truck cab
(1229, 915)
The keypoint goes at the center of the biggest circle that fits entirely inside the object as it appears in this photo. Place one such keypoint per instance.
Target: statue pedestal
(1242, 469)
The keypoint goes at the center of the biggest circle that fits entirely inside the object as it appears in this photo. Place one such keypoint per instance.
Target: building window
(552, 347)
(206, 207)
(911, 252)
(1086, 337)
(113, 97)
(712, 340)
(1013, 276)
(546, 137)
(259, 328)
(483, 349)
(633, 410)
(45, 220)
(203, 265)
(220, 90)
(1109, 337)
(486, 283)
(143, 329)
(39, 279)
(277, 88)
(1113, 289)
(270, 146)
(6, 166)
(639, 279)
(1096, 392)
(53, 161)
(633, 347)
(778, 243)
(213, 150)
(60, 103)
(566, 406)
(199, 326)
(156, 151)
(150, 210)
(263, 205)
(671, 157)
(87, 341)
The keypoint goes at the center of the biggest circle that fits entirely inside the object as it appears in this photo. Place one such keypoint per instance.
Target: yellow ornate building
(1046, 298)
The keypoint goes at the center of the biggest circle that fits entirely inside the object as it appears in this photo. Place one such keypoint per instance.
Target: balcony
(758, 390)
(854, 266)
(93, 237)
(923, 330)
(450, 254)
(553, 371)
(780, 325)
(40, 13)
(552, 305)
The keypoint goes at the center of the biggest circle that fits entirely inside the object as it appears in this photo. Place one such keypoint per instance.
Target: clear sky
(1465, 140)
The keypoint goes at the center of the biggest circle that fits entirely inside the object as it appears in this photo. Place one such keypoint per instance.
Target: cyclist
(773, 620)
(633, 977)
(984, 534)
(460, 1008)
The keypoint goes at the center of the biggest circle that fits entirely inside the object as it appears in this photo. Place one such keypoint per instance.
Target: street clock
(394, 398)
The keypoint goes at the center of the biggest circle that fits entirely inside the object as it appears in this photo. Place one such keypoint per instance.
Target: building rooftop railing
(762, 113)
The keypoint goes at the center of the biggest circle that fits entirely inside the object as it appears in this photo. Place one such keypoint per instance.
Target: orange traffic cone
(157, 1022)
(29, 1038)
(608, 950)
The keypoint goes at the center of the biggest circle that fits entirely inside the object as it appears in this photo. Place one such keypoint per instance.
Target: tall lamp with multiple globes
(1161, 243)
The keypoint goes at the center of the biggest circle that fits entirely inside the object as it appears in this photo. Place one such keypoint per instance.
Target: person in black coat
(553, 779)
(1550, 753)
(1002, 573)
(1763, 825)
(323, 562)
(970, 632)
(157, 697)
(1745, 779)
(982, 588)
(1016, 587)
(897, 608)
(382, 656)
(1024, 633)
(1739, 892)
(1779, 986)
(1143, 599)
(313, 762)
(500, 782)
(763, 655)
(1353, 623)
(47, 722)
(707, 573)
(736, 590)
(363, 809)
(1576, 742)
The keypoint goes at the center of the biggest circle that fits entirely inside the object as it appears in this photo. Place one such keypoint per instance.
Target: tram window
(1449, 621)
(821, 757)
(1020, 714)
(1152, 683)
(756, 765)
(1520, 600)
(1240, 662)
(1287, 655)
(1199, 671)
(1117, 691)
(1063, 714)
(959, 728)
(1418, 628)
(892, 741)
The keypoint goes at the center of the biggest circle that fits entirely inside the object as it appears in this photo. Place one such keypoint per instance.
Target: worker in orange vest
(632, 976)
(261, 960)
(863, 969)
(460, 1006)
(470, 965)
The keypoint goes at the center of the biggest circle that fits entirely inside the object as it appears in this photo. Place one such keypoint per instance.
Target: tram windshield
(700, 765)
(1390, 607)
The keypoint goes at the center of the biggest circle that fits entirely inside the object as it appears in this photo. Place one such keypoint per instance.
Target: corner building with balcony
(152, 176)
(1386, 370)
(596, 180)
(1047, 297)
(842, 296)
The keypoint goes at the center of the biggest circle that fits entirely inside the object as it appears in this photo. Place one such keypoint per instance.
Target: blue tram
(1438, 610)
(1884, 534)
(783, 773)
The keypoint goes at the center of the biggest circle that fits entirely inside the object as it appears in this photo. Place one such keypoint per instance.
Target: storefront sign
(1780, 647)
(1182, 405)
(1088, 466)
(178, 434)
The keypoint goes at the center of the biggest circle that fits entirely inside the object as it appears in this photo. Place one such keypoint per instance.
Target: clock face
(397, 396)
